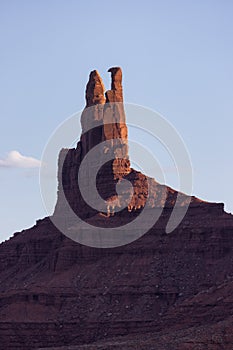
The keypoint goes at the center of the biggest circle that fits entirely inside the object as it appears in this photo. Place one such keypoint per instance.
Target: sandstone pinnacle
(94, 90)
(163, 291)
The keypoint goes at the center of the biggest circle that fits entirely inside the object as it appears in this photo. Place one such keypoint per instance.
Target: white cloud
(16, 160)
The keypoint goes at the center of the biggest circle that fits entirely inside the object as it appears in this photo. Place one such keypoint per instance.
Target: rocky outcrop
(104, 119)
(104, 126)
(163, 291)
(95, 90)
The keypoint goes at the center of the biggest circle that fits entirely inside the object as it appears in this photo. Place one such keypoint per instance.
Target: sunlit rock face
(163, 291)
(104, 128)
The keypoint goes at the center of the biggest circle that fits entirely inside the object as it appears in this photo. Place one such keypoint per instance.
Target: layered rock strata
(161, 291)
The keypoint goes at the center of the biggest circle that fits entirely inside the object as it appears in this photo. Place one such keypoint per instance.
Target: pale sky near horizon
(177, 59)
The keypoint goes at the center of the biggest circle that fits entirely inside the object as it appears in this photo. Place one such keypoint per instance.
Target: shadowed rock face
(162, 291)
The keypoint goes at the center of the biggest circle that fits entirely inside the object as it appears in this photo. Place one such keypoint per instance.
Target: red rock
(161, 291)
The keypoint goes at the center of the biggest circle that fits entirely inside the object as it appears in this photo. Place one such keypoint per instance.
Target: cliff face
(178, 288)
(103, 121)
(104, 127)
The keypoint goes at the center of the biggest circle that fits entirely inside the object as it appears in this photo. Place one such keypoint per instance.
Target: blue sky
(176, 56)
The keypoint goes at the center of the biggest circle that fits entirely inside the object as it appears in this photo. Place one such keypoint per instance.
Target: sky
(176, 57)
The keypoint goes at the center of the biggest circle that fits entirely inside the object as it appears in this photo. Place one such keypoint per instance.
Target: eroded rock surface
(159, 292)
